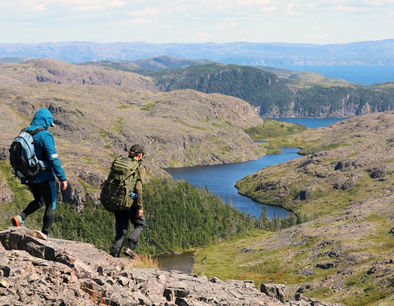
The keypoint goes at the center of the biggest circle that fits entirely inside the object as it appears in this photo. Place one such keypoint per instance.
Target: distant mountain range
(358, 53)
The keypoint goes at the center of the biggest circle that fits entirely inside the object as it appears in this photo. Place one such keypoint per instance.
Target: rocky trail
(61, 272)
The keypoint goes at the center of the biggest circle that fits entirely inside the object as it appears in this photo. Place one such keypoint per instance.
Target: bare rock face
(61, 272)
(273, 290)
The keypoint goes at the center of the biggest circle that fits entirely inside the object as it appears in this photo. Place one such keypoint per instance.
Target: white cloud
(209, 20)
(149, 11)
(341, 8)
(253, 2)
(290, 9)
(199, 37)
(227, 25)
(78, 5)
(139, 21)
(116, 3)
(362, 4)
(34, 5)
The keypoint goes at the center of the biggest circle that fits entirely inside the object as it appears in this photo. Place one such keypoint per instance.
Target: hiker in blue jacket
(42, 185)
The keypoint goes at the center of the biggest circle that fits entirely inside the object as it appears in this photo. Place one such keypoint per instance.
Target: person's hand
(140, 213)
(63, 185)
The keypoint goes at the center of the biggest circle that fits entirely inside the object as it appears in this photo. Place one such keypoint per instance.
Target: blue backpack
(23, 159)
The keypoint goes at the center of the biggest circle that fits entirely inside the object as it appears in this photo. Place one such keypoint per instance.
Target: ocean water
(359, 74)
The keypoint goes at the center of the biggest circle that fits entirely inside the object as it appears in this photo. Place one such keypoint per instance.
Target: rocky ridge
(60, 272)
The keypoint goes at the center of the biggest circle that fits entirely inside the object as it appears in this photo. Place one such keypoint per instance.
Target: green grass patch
(269, 148)
(217, 124)
(243, 258)
(103, 133)
(381, 240)
(364, 290)
(22, 197)
(148, 107)
(119, 124)
(124, 106)
(20, 115)
(308, 149)
(88, 187)
(273, 129)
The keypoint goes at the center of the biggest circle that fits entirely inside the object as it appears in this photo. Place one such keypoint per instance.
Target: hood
(42, 120)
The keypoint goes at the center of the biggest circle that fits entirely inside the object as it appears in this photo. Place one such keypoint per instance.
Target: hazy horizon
(190, 43)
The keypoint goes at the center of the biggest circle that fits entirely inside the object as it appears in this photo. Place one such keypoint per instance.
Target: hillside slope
(99, 113)
(169, 62)
(345, 185)
(53, 71)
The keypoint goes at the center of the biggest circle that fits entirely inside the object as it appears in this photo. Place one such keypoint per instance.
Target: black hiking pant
(122, 219)
(44, 192)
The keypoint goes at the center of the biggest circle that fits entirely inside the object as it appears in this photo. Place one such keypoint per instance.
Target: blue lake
(220, 179)
(311, 122)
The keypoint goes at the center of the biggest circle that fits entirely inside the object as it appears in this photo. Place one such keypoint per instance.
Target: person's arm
(138, 190)
(53, 160)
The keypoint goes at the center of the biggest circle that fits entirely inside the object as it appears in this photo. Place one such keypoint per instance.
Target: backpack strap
(32, 133)
(135, 172)
(43, 164)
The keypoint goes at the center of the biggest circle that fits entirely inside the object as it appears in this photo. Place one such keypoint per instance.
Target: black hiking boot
(130, 253)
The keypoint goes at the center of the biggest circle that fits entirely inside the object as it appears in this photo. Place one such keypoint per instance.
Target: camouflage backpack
(115, 193)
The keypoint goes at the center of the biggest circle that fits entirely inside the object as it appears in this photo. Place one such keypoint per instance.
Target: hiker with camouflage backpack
(122, 194)
(42, 183)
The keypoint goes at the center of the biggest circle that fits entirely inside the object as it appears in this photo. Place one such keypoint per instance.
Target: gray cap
(137, 148)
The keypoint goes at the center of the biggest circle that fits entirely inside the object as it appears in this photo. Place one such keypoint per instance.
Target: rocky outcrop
(47, 272)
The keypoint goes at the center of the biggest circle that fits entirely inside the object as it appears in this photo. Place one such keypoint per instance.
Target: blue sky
(166, 21)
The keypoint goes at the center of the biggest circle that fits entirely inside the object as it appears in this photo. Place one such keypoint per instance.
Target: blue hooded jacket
(44, 146)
